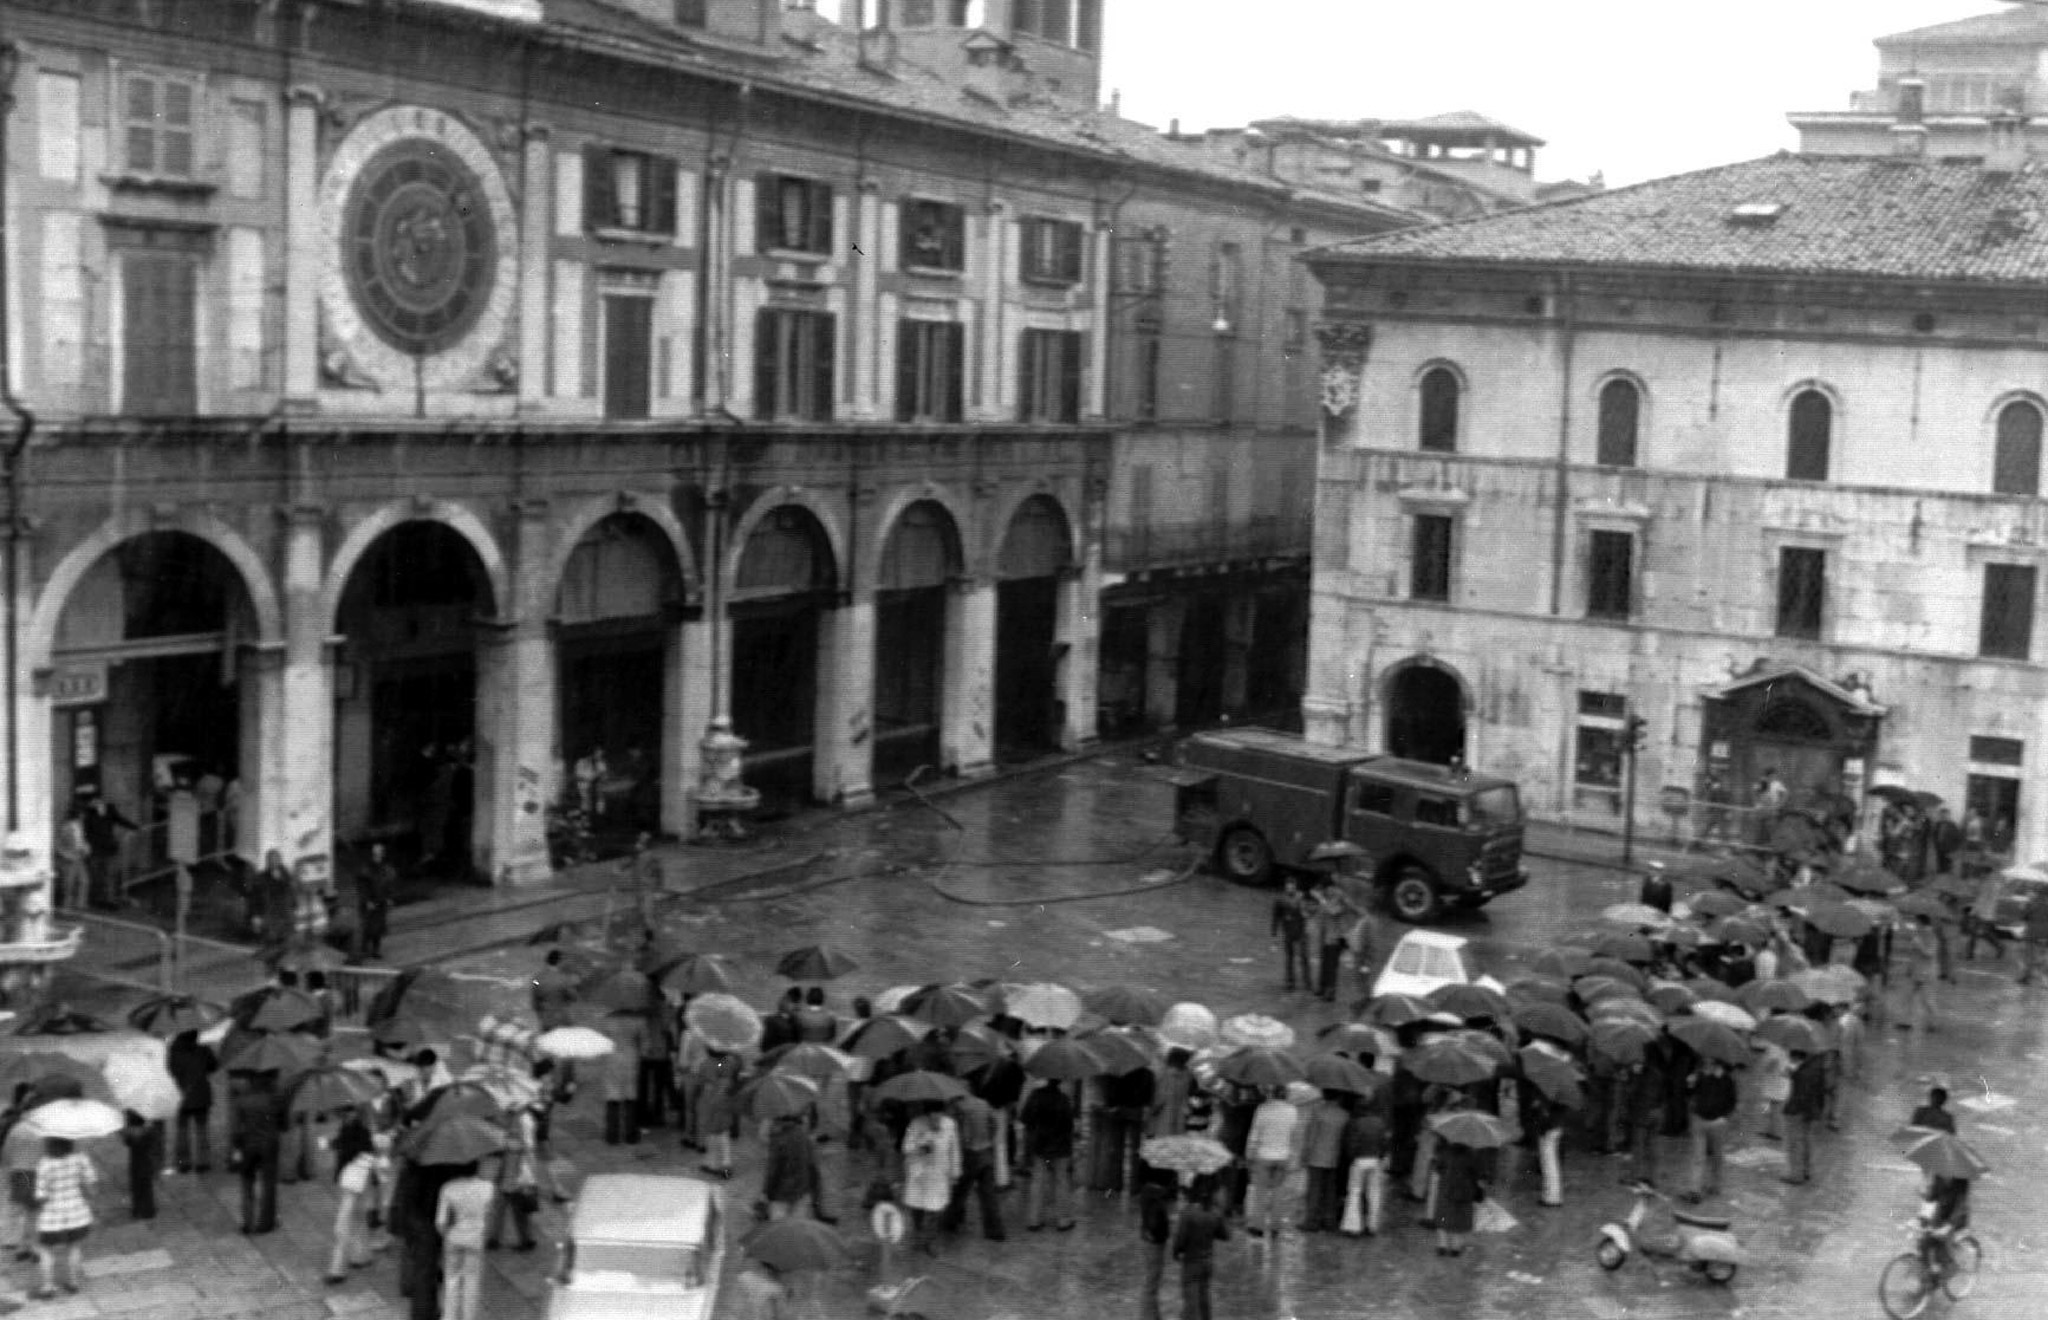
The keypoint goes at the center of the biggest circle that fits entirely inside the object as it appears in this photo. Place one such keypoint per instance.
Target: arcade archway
(1425, 714)
(1036, 557)
(782, 587)
(919, 562)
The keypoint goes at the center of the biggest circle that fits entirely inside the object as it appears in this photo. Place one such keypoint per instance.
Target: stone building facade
(1751, 453)
(415, 398)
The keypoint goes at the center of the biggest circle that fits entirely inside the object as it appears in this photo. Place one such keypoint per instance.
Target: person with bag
(65, 1180)
(145, 1142)
(1459, 1190)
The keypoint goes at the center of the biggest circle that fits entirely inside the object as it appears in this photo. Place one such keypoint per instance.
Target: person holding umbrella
(259, 1149)
(791, 1172)
(931, 1165)
(65, 1180)
(1194, 1246)
(1048, 1119)
(1322, 1153)
(1460, 1186)
(1712, 1089)
(192, 1065)
(1155, 1231)
(1270, 1147)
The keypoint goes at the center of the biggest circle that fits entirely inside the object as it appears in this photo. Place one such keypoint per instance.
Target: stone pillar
(1095, 392)
(535, 237)
(304, 750)
(1079, 637)
(264, 769)
(843, 763)
(302, 245)
(515, 744)
(1163, 624)
(866, 321)
(968, 702)
(687, 705)
(995, 258)
(1240, 613)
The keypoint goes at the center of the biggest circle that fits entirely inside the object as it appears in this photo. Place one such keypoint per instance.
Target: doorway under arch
(920, 561)
(1034, 560)
(782, 587)
(1425, 714)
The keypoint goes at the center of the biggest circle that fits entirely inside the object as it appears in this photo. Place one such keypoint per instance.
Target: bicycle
(1911, 1278)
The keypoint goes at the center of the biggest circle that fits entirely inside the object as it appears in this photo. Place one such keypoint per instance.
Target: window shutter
(827, 344)
(956, 237)
(598, 201)
(1027, 376)
(767, 355)
(767, 212)
(661, 197)
(953, 342)
(1070, 252)
(906, 370)
(821, 218)
(1070, 376)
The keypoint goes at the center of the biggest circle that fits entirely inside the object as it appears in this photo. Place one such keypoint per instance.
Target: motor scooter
(1705, 1242)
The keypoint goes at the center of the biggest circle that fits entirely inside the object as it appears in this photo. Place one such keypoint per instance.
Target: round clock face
(419, 246)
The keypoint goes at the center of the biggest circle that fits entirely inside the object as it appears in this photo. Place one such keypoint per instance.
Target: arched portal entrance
(147, 690)
(919, 561)
(781, 589)
(1036, 554)
(616, 613)
(1425, 714)
(405, 708)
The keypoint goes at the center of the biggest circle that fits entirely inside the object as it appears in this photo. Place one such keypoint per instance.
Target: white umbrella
(394, 1073)
(1258, 1029)
(509, 1086)
(143, 1085)
(574, 1043)
(1188, 1027)
(1728, 1015)
(1042, 1005)
(75, 1120)
(891, 1000)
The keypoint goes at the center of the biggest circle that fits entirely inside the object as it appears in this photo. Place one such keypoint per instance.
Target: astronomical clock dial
(421, 247)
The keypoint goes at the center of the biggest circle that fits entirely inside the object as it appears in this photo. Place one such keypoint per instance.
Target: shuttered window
(2007, 627)
(793, 360)
(1050, 386)
(629, 190)
(929, 369)
(158, 114)
(1430, 563)
(159, 375)
(1802, 591)
(934, 236)
(793, 214)
(1050, 252)
(1610, 574)
(2016, 467)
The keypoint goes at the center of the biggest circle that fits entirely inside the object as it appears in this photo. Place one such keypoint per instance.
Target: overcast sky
(1630, 87)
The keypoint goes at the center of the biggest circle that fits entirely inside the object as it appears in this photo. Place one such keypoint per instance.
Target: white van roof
(1435, 939)
(659, 1209)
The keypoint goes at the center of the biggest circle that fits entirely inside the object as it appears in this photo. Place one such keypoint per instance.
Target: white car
(1426, 959)
(641, 1246)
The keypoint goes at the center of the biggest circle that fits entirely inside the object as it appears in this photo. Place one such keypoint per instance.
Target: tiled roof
(2021, 23)
(1882, 217)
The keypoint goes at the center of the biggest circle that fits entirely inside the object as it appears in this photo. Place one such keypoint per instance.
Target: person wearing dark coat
(192, 1066)
(1155, 1231)
(792, 1168)
(1194, 1246)
(1125, 1102)
(1803, 1109)
(1642, 1100)
(375, 886)
(1655, 890)
(145, 1142)
(1460, 1187)
(259, 1148)
(1934, 1114)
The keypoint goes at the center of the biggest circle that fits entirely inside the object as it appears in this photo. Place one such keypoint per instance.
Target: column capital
(537, 131)
(263, 657)
(869, 187)
(307, 94)
(302, 515)
(966, 584)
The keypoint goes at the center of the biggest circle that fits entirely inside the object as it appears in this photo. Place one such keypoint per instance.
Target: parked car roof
(642, 1207)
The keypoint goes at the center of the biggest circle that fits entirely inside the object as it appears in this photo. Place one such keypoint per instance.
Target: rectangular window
(1610, 575)
(1802, 591)
(159, 350)
(929, 369)
(793, 361)
(1051, 251)
(1226, 285)
(1998, 751)
(158, 114)
(628, 355)
(1137, 265)
(934, 236)
(629, 190)
(2007, 626)
(1996, 800)
(1598, 764)
(1050, 386)
(795, 214)
(1430, 569)
(1606, 705)
(1223, 381)
(245, 148)
(1147, 373)
(57, 125)
(1376, 798)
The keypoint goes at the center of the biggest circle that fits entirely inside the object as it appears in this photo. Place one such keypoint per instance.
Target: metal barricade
(124, 953)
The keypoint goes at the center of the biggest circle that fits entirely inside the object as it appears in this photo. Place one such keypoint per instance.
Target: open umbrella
(1860, 876)
(1896, 794)
(1628, 948)
(878, 1038)
(1671, 997)
(1794, 833)
(1716, 903)
(1635, 978)
(1121, 1049)
(1728, 1015)
(300, 958)
(921, 1086)
(1064, 1059)
(404, 1032)
(390, 1072)
(574, 1043)
(429, 995)
(1777, 996)
(1334, 1072)
(1832, 984)
(1621, 1040)
(1186, 1154)
(1189, 1027)
(796, 1245)
(1397, 1010)
(1593, 989)
(165, 1016)
(1259, 1066)
(143, 1084)
(1554, 1075)
(977, 1046)
(1470, 1127)
(816, 962)
(327, 1090)
(276, 1008)
(778, 1095)
(1711, 1040)
(1740, 930)
(1790, 1033)
(697, 974)
(274, 1051)
(1940, 1155)
(1625, 1010)
(948, 1005)
(1126, 1003)
(1957, 885)
(1562, 960)
(1470, 1001)
(1634, 915)
(1353, 1038)
(1451, 1061)
(1258, 1031)
(621, 991)
(1538, 990)
(75, 1120)
(1042, 1005)
(1735, 873)
(1707, 988)
(1839, 920)
(1922, 904)
(819, 1062)
(510, 1087)
(1552, 1020)
(458, 1138)
(725, 1022)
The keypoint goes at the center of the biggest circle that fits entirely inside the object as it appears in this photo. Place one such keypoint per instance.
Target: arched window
(1440, 392)
(1621, 410)
(2016, 465)
(1809, 431)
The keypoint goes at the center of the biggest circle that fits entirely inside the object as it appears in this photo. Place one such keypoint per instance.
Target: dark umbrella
(1121, 1049)
(1470, 1127)
(976, 1046)
(457, 1138)
(1865, 877)
(274, 1051)
(1558, 1079)
(1629, 1010)
(819, 1062)
(1615, 969)
(1671, 997)
(1794, 833)
(327, 1090)
(1621, 1041)
(1896, 794)
(1593, 989)
(1922, 904)
(1125, 1004)
(403, 1032)
(778, 1095)
(794, 1245)
(1928, 801)
(1716, 903)
(1740, 930)
(1064, 1059)
(1552, 1020)
(1538, 990)
(275, 1008)
(1351, 1038)
(302, 958)
(1711, 1040)
(1397, 1010)
(1839, 920)
(1468, 1001)
(1790, 1033)
(622, 991)
(1946, 1155)
(920, 1086)
(815, 962)
(948, 1005)
(165, 1016)
(1761, 997)
(1451, 1061)
(1627, 948)
(1562, 960)
(1334, 1072)
(1257, 1066)
(467, 1098)
(878, 1038)
(1707, 988)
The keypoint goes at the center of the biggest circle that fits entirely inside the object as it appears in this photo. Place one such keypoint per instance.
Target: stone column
(304, 750)
(995, 259)
(865, 318)
(968, 701)
(1163, 624)
(536, 230)
(33, 714)
(302, 245)
(515, 744)
(265, 771)
(1079, 637)
(1095, 396)
(843, 762)
(687, 705)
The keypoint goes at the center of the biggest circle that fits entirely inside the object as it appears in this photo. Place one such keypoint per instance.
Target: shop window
(1610, 575)
(1439, 429)
(929, 369)
(1050, 386)
(1050, 252)
(1621, 406)
(2016, 465)
(934, 236)
(1810, 432)
(794, 214)
(1802, 591)
(793, 361)
(2006, 629)
(1996, 801)
(629, 190)
(1597, 764)
(1430, 567)
(159, 114)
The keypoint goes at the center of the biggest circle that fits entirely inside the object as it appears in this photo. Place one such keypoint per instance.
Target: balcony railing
(1186, 545)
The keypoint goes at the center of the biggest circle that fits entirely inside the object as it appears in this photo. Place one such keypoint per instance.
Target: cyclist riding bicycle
(1944, 1214)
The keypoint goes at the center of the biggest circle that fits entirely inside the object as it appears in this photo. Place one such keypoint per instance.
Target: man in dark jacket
(1126, 1100)
(1934, 1114)
(976, 1120)
(1048, 1118)
(103, 824)
(792, 1168)
(1290, 925)
(259, 1118)
(375, 885)
(1713, 1100)
(192, 1066)
(1155, 1230)
(1194, 1246)
(1642, 1101)
(1803, 1109)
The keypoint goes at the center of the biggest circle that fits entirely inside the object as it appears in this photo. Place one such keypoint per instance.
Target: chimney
(2008, 150)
